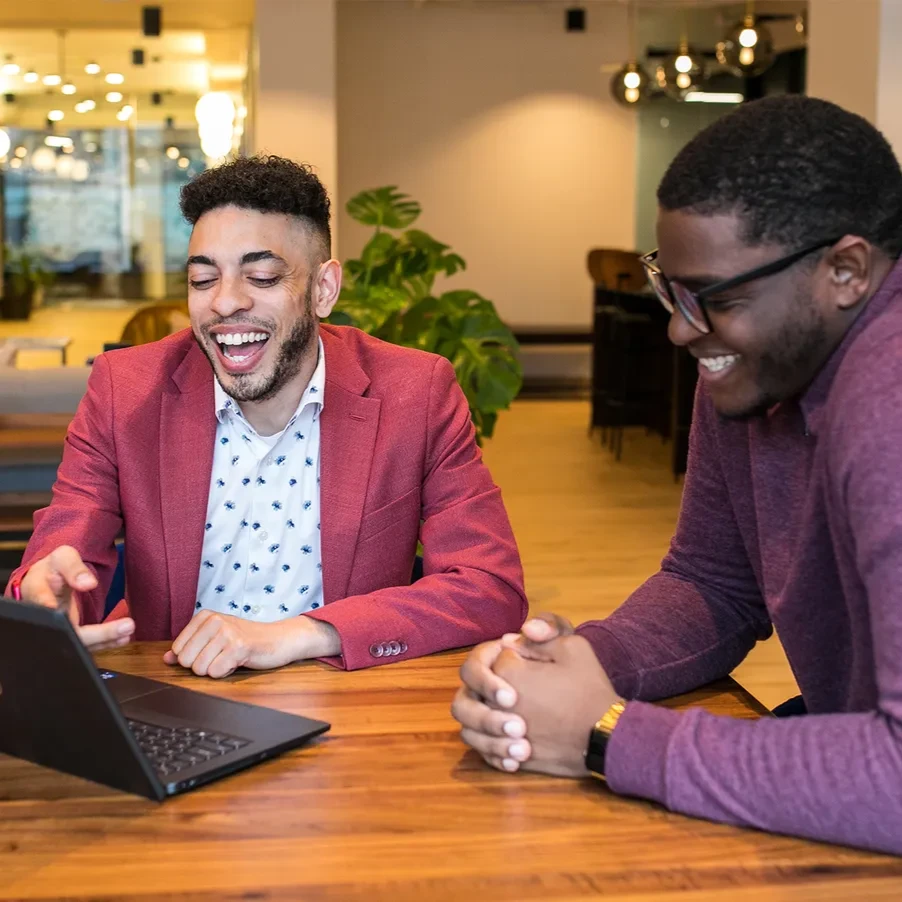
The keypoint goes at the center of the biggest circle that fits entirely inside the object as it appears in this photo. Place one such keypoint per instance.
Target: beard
(289, 355)
(795, 354)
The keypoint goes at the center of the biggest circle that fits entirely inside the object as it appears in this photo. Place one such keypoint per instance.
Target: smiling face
(772, 335)
(256, 285)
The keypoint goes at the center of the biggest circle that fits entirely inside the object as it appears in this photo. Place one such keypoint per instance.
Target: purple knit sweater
(794, 522)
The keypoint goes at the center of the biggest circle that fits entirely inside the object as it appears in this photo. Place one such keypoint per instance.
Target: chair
(631, 356)
(155, 321)
(616, 270)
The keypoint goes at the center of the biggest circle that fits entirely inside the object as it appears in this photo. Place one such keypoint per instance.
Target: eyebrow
(249, 257)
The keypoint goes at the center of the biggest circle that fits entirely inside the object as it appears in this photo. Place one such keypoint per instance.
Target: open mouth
(717, 367)
(239, 352)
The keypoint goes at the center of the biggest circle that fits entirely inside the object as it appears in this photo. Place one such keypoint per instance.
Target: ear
(326, 286)
(850, 265)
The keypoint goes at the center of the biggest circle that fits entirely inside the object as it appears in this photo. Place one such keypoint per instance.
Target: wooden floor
(591, 529)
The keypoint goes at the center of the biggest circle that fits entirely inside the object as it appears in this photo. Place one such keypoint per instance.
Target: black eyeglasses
(674, 295)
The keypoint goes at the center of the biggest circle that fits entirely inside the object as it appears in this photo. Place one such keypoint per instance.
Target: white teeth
(716, 364)
(234, 338)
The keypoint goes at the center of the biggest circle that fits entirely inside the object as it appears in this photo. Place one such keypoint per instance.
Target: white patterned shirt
(261, 555)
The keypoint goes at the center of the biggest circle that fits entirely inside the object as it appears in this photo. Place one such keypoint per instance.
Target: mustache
(264, 325)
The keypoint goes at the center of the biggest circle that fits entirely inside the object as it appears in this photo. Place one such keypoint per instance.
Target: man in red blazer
(273, 475)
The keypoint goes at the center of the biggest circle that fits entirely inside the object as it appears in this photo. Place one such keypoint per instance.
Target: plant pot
(16, 305)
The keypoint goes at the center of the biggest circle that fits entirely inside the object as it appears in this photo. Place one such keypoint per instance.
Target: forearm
(836, 778)
(670, 636)
(305, 638)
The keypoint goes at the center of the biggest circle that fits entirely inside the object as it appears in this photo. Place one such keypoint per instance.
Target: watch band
(600, 736)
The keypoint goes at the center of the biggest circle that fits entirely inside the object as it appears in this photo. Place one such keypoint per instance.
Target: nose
(680, 331)
(230, 298)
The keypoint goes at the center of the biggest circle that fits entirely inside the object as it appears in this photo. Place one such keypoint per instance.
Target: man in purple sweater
(780, 227)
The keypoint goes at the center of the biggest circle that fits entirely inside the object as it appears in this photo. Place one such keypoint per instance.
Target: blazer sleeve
(84, 511)
(472, 587)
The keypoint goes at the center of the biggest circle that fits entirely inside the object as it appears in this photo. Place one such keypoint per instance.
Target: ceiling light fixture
(92, 69)
(748, 47)
(630, 83)
(30, 76)
(114, 78)
(114, 97)
(10, 67)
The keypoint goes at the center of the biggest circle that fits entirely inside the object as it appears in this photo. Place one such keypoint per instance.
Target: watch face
(595, 754)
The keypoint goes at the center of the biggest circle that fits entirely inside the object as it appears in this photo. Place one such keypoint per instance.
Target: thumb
(545, 627)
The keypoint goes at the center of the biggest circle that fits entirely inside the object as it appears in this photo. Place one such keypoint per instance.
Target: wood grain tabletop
(390, 805)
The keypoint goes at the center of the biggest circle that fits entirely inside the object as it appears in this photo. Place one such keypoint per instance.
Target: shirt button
(377, 651)
(394, 647)
(403, 647)
(256, 609)
(264, 536)
(267, 461)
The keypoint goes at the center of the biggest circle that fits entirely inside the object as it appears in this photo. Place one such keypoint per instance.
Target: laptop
(139, 735)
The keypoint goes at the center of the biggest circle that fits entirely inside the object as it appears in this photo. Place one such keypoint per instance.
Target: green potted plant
(24, 276)
(389, 292)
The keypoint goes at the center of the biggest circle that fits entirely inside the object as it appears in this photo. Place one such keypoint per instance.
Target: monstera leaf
(384, 208)
(388, 293)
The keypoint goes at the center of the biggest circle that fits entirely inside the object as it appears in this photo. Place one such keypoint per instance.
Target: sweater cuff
(612, 656)
(636, 756)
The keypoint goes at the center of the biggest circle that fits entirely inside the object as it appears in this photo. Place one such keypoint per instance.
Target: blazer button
(377, 651)
(394, 648)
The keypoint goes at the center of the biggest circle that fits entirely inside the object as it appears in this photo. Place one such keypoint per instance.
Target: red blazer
(398, 462)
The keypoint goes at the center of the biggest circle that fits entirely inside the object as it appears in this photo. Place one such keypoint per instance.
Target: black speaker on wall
(575, 19)
(151, 21)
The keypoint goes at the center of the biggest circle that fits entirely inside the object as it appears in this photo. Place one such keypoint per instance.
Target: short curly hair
(268, 184)
(796, 170)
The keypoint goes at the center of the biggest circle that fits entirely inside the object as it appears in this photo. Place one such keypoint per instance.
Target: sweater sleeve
(834, 777)
(697, 618)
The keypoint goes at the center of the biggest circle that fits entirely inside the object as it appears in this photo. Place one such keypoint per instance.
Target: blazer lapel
(348, 428)
(187, 434)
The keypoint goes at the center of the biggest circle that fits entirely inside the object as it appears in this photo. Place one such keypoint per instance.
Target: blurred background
(525, 140)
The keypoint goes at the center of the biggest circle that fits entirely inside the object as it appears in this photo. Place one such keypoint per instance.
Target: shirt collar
(815, 396)
(315, 392)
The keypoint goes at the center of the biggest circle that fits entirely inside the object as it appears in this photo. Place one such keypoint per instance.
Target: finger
(476, 673)
(223, 665)
(185, 636)
(469, 710)
(508, 765)
(99, 635)
(208, 654)
(493, 747)
(544, 627)
(66, 562)
(207, 633)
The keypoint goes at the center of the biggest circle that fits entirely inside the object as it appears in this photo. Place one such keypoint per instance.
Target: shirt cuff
(636, 756)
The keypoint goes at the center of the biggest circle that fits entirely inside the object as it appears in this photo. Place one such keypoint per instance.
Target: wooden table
(389, 805)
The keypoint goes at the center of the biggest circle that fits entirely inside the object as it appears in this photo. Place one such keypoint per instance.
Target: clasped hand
(529, 700)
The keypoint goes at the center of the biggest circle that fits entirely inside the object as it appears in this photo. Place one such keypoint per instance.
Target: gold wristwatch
(599, 738)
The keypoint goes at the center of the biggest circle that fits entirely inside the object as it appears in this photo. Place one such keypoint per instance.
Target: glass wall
(90, 183)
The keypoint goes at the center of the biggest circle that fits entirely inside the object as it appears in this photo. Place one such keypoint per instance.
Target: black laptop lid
(54, 708)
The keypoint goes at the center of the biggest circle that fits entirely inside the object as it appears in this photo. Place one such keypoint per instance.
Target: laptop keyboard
(171, 749)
